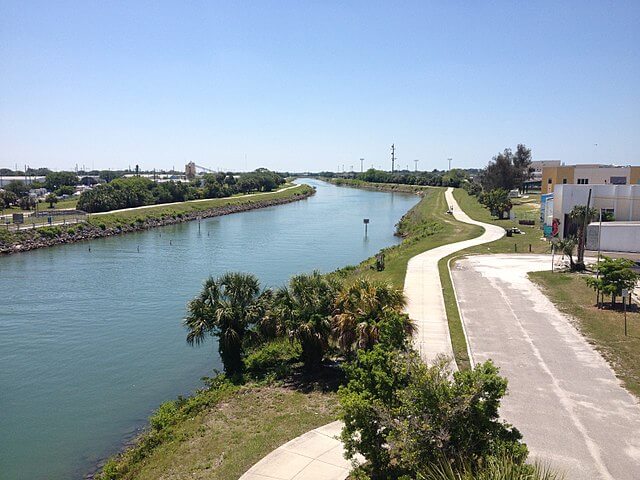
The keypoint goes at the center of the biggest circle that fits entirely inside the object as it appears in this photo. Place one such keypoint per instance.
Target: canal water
(91, 342)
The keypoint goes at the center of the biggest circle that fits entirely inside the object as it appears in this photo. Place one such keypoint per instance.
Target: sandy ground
(563, 396)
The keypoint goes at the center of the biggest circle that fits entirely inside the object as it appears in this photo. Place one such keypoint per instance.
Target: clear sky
(316, 84)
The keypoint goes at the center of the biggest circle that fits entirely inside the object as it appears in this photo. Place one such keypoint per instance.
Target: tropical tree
(226, 308)
(567, 246)
(581, 216)
(51, 199)
(359, 309)
(302, 310)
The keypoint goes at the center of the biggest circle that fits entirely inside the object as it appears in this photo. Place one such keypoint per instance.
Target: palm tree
(302, 310)
(581, 216)
(567, 246)
(359, 309)
(226, 308)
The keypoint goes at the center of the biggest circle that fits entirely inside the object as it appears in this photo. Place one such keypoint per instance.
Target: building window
(549, 181)
(618, 180)
(583, 181)
(564, 180)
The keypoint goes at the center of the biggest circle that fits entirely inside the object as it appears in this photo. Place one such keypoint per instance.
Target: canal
(91, 342)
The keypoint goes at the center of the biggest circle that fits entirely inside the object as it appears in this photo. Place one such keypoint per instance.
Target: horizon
(315, 87)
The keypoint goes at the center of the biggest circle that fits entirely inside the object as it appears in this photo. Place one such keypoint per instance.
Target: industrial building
(555, 175)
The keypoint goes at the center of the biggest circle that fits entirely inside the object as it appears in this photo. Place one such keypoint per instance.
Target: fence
(48, 218)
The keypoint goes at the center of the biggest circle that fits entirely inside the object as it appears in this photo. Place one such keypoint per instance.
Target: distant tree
(7, 198)
(614, 276)
(497, 201)
(226, 308)
(51, 199)
(522, 165)
(507, 170)
(64, 190)
(109, 175)
(55, 180)
(17, 187)
(26, 202)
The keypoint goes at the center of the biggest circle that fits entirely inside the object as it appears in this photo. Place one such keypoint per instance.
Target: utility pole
(361, 165)
(393, 156)
(416, 162)
(449, 159)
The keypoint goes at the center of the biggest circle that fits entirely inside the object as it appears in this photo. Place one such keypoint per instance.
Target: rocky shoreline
(32, 239)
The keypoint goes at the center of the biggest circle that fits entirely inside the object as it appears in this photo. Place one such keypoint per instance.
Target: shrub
(49, 232)
(275, 358)
(401, 414)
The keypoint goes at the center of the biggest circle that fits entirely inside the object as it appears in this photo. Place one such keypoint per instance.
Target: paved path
(316, 455)
(563, 396)
(190, 201)
(423, 289)
(307, 457)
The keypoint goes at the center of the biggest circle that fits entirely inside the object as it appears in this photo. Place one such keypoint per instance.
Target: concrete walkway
(318, 454)
(423, 289)
(563, 396)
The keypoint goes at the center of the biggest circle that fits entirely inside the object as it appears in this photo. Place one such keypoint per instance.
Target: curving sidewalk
(318, 454)
(423, 288)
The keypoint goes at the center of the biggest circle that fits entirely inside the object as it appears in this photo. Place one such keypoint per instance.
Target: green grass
(524, 208)
(424, 227)
(603, 328)
(232, 432)
(161, 211)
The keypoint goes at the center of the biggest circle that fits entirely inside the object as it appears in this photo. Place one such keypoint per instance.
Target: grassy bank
(157, 212)
(221, 431)
(523, 208)
(425, 226)
(603, 328)
(136, 220)
(384, 187)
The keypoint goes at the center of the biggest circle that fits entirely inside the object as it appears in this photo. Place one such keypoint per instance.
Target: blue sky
(316, 85)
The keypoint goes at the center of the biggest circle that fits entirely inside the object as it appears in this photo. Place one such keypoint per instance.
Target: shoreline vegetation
(110, 224)
(181, 440)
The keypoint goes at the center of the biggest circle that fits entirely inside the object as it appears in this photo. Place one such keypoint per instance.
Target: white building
(620, 201)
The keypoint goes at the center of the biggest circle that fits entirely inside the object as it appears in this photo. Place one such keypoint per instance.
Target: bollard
(529, 248)
(515, 247)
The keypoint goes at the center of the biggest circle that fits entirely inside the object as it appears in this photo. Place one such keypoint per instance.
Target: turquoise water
(91, 342)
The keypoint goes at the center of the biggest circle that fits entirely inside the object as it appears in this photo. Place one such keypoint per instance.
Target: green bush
(401, 414)
(50, 232)
(275, 359)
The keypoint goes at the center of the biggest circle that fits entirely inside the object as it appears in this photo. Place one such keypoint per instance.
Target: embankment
(136, 221)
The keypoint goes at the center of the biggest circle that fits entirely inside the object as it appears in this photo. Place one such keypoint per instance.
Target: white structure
(26, 179)
(621, 201)
(615, 237)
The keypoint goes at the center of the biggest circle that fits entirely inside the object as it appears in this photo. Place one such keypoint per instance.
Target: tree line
(406, 418)
(140, 191)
